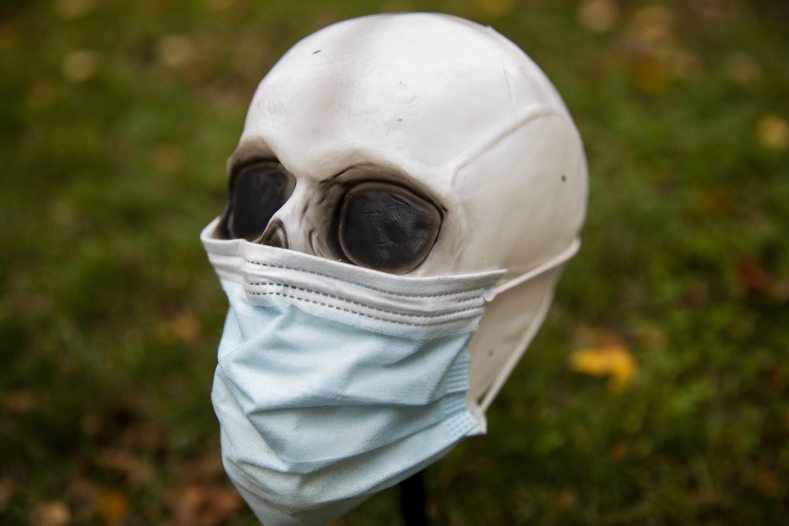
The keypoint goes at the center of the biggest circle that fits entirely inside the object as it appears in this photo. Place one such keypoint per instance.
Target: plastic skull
(420, 145)
(417, 143)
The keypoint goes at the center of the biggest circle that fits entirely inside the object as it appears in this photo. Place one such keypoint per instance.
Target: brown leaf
(566, 498)
(207, 469)
(184, 328)
(767, 482)
(167, 158)
(82, 496)
(124, 463)
(19, 402)
(599, 16)
(651, 25)
(112, 506)
(7, 490)
(619, 451)
(52, 513)
(175, 51)
(203, 505)
(755, 280)
(743, 70)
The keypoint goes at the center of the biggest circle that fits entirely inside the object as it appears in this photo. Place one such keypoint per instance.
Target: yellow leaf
(495, 7)
(112, 506)
(611, 361)
(773, 132)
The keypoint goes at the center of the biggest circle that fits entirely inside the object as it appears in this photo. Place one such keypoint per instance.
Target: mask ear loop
(536, 322)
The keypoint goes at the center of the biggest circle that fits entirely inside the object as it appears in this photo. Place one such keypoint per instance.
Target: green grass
(110, 314)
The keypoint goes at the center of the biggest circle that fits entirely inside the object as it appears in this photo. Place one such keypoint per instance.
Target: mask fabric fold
(334, 381)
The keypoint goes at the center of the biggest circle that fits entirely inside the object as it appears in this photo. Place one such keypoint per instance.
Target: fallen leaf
(19, 402)
(91, 424)
(41, 96)
(716, 200)
(683, 64)
(495, 7)
(755, 280)
(82, 496)
(124, 463)
(744, 71)
(7, 490)
(767, 482)
(566, 498)
(205, 469)
(175, 51)
(112, 506)
(70, 9)
(598, 16)
(651, 25)
(619, 451)
(647, 74)
(203, 505)
(52, 513)
(611, 360)
(9, 36)
(219, 5)
(772, 131)
(79, 66)
(184, 327)
(167, 158)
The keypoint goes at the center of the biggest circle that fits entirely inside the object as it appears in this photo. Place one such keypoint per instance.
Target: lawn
(116, 118)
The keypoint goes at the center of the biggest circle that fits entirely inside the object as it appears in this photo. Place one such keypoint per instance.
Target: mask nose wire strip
(557, 260)
(515, 357)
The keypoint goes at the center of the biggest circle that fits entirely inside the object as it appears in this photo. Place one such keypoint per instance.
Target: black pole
(412, 500)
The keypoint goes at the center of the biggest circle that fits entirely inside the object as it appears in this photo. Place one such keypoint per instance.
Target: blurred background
(656, 393)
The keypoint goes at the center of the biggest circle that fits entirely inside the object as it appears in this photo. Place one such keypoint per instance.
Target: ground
(656, 393)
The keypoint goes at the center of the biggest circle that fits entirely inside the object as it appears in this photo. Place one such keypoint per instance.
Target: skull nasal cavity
(275, 235)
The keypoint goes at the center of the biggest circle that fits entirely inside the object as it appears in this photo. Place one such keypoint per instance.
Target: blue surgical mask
(334, 381)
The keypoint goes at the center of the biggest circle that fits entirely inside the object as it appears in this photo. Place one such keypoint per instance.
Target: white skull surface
(421, 144)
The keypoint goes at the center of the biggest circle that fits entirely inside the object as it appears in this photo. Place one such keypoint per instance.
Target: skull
(418, 144)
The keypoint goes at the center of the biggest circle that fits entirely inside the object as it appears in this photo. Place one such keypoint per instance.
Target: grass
(115, 121)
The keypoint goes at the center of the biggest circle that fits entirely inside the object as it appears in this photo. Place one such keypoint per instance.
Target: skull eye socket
(255, 194)
(386, 227)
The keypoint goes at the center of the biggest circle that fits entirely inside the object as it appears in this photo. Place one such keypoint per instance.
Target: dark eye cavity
(255, 194)
(387, 227)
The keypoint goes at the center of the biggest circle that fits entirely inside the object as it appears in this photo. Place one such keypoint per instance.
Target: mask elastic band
(535, 324)
(552, 263)
(515, 357)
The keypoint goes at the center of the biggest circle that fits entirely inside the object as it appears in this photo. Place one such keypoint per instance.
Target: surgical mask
(335, 381)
